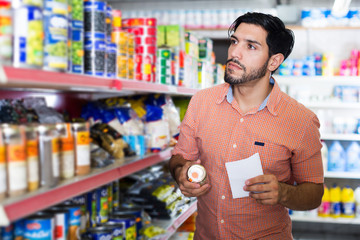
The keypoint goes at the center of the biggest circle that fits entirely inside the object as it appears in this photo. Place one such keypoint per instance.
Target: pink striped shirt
(284, 133)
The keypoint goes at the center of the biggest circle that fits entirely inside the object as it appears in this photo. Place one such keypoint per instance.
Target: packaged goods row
(39, 146)
(107, 212)
(337, 158)
(336, 202)
(89, 37)
(323, 17)
(322, 64)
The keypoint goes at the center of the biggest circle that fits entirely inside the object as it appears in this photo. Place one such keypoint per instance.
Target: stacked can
(163, 69)
(28, 33)
(56, 35)
(120, 39)
(111, 48)
(144, 30)
(76, 53)
(5, 32)
(95, 34)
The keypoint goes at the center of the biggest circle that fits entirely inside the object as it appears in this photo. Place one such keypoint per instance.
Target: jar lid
(196, 173)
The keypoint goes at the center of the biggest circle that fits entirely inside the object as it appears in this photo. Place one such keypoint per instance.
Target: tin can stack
(28, 34)
(76, 38)
(56, 16)
(144, 30)
(5, 32)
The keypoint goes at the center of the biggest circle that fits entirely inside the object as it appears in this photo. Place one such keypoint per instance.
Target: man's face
(247, 55)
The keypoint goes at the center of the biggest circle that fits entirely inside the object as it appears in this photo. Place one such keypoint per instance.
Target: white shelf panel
(332, 105)
(312, 80)
(340, 137)
(340, 220)
(343, 175)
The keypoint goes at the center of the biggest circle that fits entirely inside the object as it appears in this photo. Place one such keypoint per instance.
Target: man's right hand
(189, 189)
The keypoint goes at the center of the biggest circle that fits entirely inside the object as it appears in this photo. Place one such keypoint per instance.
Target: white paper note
(241, 170)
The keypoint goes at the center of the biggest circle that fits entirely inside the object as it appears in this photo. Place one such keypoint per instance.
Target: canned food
(122, 64)
(110, 197)
(108, 23)
(32, 157)
(76, 54)
(196, 173)
(94, 57)
(39, 226)
(56, 42)
(121, 39)
(5, 32)
(91, 208)
(95, 19)
(15, 155)
(61, 217)
(74, 220)
(116, 196)
(130, 224)
(56, 6)
(28, 37)
(67, 154)
(134, 22)
(111, 52)
(3, 174)
(21, 3)
(77, 11)
(19, 229)
(117, 230)
(99, 233)
(137, 212)
(102, 204)
(142, 31)
(81, 133)
(81, 201)
(7, 232)
(49, 155)
(116, 21)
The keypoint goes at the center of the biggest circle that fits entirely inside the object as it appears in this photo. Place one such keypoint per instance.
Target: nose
(235, 51)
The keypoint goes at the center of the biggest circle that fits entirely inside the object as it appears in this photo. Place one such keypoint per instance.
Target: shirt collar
(270, 101)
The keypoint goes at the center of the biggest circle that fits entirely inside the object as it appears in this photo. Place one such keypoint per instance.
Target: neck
(251, 94)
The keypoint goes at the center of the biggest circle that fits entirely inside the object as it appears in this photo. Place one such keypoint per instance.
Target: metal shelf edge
(39, 201)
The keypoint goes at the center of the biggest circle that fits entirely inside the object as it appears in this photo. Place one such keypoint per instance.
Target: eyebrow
(247, 40)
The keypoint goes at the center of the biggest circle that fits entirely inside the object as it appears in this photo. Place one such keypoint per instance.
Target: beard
(245, 77)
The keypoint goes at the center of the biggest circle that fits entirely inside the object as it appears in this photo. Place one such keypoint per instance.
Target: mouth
(234, 66)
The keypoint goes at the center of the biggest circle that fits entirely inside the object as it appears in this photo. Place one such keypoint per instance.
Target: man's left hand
(265, 189)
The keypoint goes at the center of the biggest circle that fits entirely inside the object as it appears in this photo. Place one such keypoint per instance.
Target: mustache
(234, 60)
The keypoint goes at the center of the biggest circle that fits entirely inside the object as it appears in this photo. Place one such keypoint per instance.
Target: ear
(275, 61)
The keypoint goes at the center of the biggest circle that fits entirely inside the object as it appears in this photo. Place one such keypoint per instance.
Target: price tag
(4, 220)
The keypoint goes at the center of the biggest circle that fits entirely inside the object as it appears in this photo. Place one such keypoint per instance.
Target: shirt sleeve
(306, 162)
(186, 145)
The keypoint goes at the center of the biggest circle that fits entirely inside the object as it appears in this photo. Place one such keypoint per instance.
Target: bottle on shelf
(335, 201)
(352, 157)
(337, 161)
(324, 155)
(324, 209)
(357, 202)
(348, 202)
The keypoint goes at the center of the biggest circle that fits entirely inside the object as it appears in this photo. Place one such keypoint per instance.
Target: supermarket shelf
(312, 80)
(26, 78)
(344, 175)
(355, 221)
(18, 207)
(172, 225)
(340, 137)
(333, 105)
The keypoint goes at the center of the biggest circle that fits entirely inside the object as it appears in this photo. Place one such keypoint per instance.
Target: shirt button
(234, 146)
(241, 119)
(222, 197)
(222, 221)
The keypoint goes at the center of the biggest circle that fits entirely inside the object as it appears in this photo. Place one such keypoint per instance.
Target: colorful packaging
(39, 226)
(337, 160)
(95, 19)
(348, 202)
(28, 37)
(94, 57)
(335, 201)
(5, 32)
(324, 208)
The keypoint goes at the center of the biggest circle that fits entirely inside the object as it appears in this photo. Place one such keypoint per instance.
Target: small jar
(67, 154)
(49, 155)
(15, 155)
(197, 174)
(81, 132)
(32, 156)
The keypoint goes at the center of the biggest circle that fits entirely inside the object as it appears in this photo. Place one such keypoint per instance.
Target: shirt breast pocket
(275, 158)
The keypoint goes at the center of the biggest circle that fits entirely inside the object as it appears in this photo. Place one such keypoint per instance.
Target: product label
(38, 229)
(17, 175)
(55, 157)
(2, 170)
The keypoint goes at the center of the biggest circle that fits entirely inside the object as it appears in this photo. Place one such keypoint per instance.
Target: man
(246, 115)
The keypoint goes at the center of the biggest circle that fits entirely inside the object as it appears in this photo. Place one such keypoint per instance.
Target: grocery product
(102, 205)
(40, 224)
(197, 174)
(81, 134)
(56, 35)
(111, 57)
(324, 208)
(61, 217)
(95, 19)
(5, 32)
(49, 155)
(76, 25)
(98, 232)
(357, 201)
(32, 157)
(28, 37)
(335, 201)
(3, 173)
(15, 150)
(132, 210)
(347, 202)
(74, 213)
(66, 145)
(129, 221)
(94, 57)
(117, 230)
(337, 160)
(324, 155)
(353, 157)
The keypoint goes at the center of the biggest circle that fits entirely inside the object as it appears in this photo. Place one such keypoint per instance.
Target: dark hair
(279, 38)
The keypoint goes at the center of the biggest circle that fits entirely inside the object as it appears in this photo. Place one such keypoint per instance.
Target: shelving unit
(354, 221)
